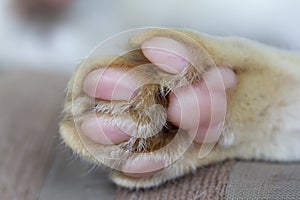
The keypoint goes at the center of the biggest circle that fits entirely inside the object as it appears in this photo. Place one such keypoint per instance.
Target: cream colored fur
(262, 120)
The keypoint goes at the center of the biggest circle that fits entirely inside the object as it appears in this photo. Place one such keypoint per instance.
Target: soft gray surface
(30, 103)
(70, 180)
(260, 180)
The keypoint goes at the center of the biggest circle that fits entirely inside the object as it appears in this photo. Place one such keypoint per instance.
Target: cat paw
(159, 111)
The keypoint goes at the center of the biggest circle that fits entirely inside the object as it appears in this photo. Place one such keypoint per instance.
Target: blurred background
(56, 34)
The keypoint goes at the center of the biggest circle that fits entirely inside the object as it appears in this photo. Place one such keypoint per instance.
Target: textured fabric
(254, 180)
(29, 109)
(207, 183)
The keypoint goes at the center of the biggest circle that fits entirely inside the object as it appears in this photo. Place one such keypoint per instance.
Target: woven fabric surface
(262, 180)
(30, 103)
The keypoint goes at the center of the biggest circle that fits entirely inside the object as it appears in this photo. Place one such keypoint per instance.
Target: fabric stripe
(260, 180)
